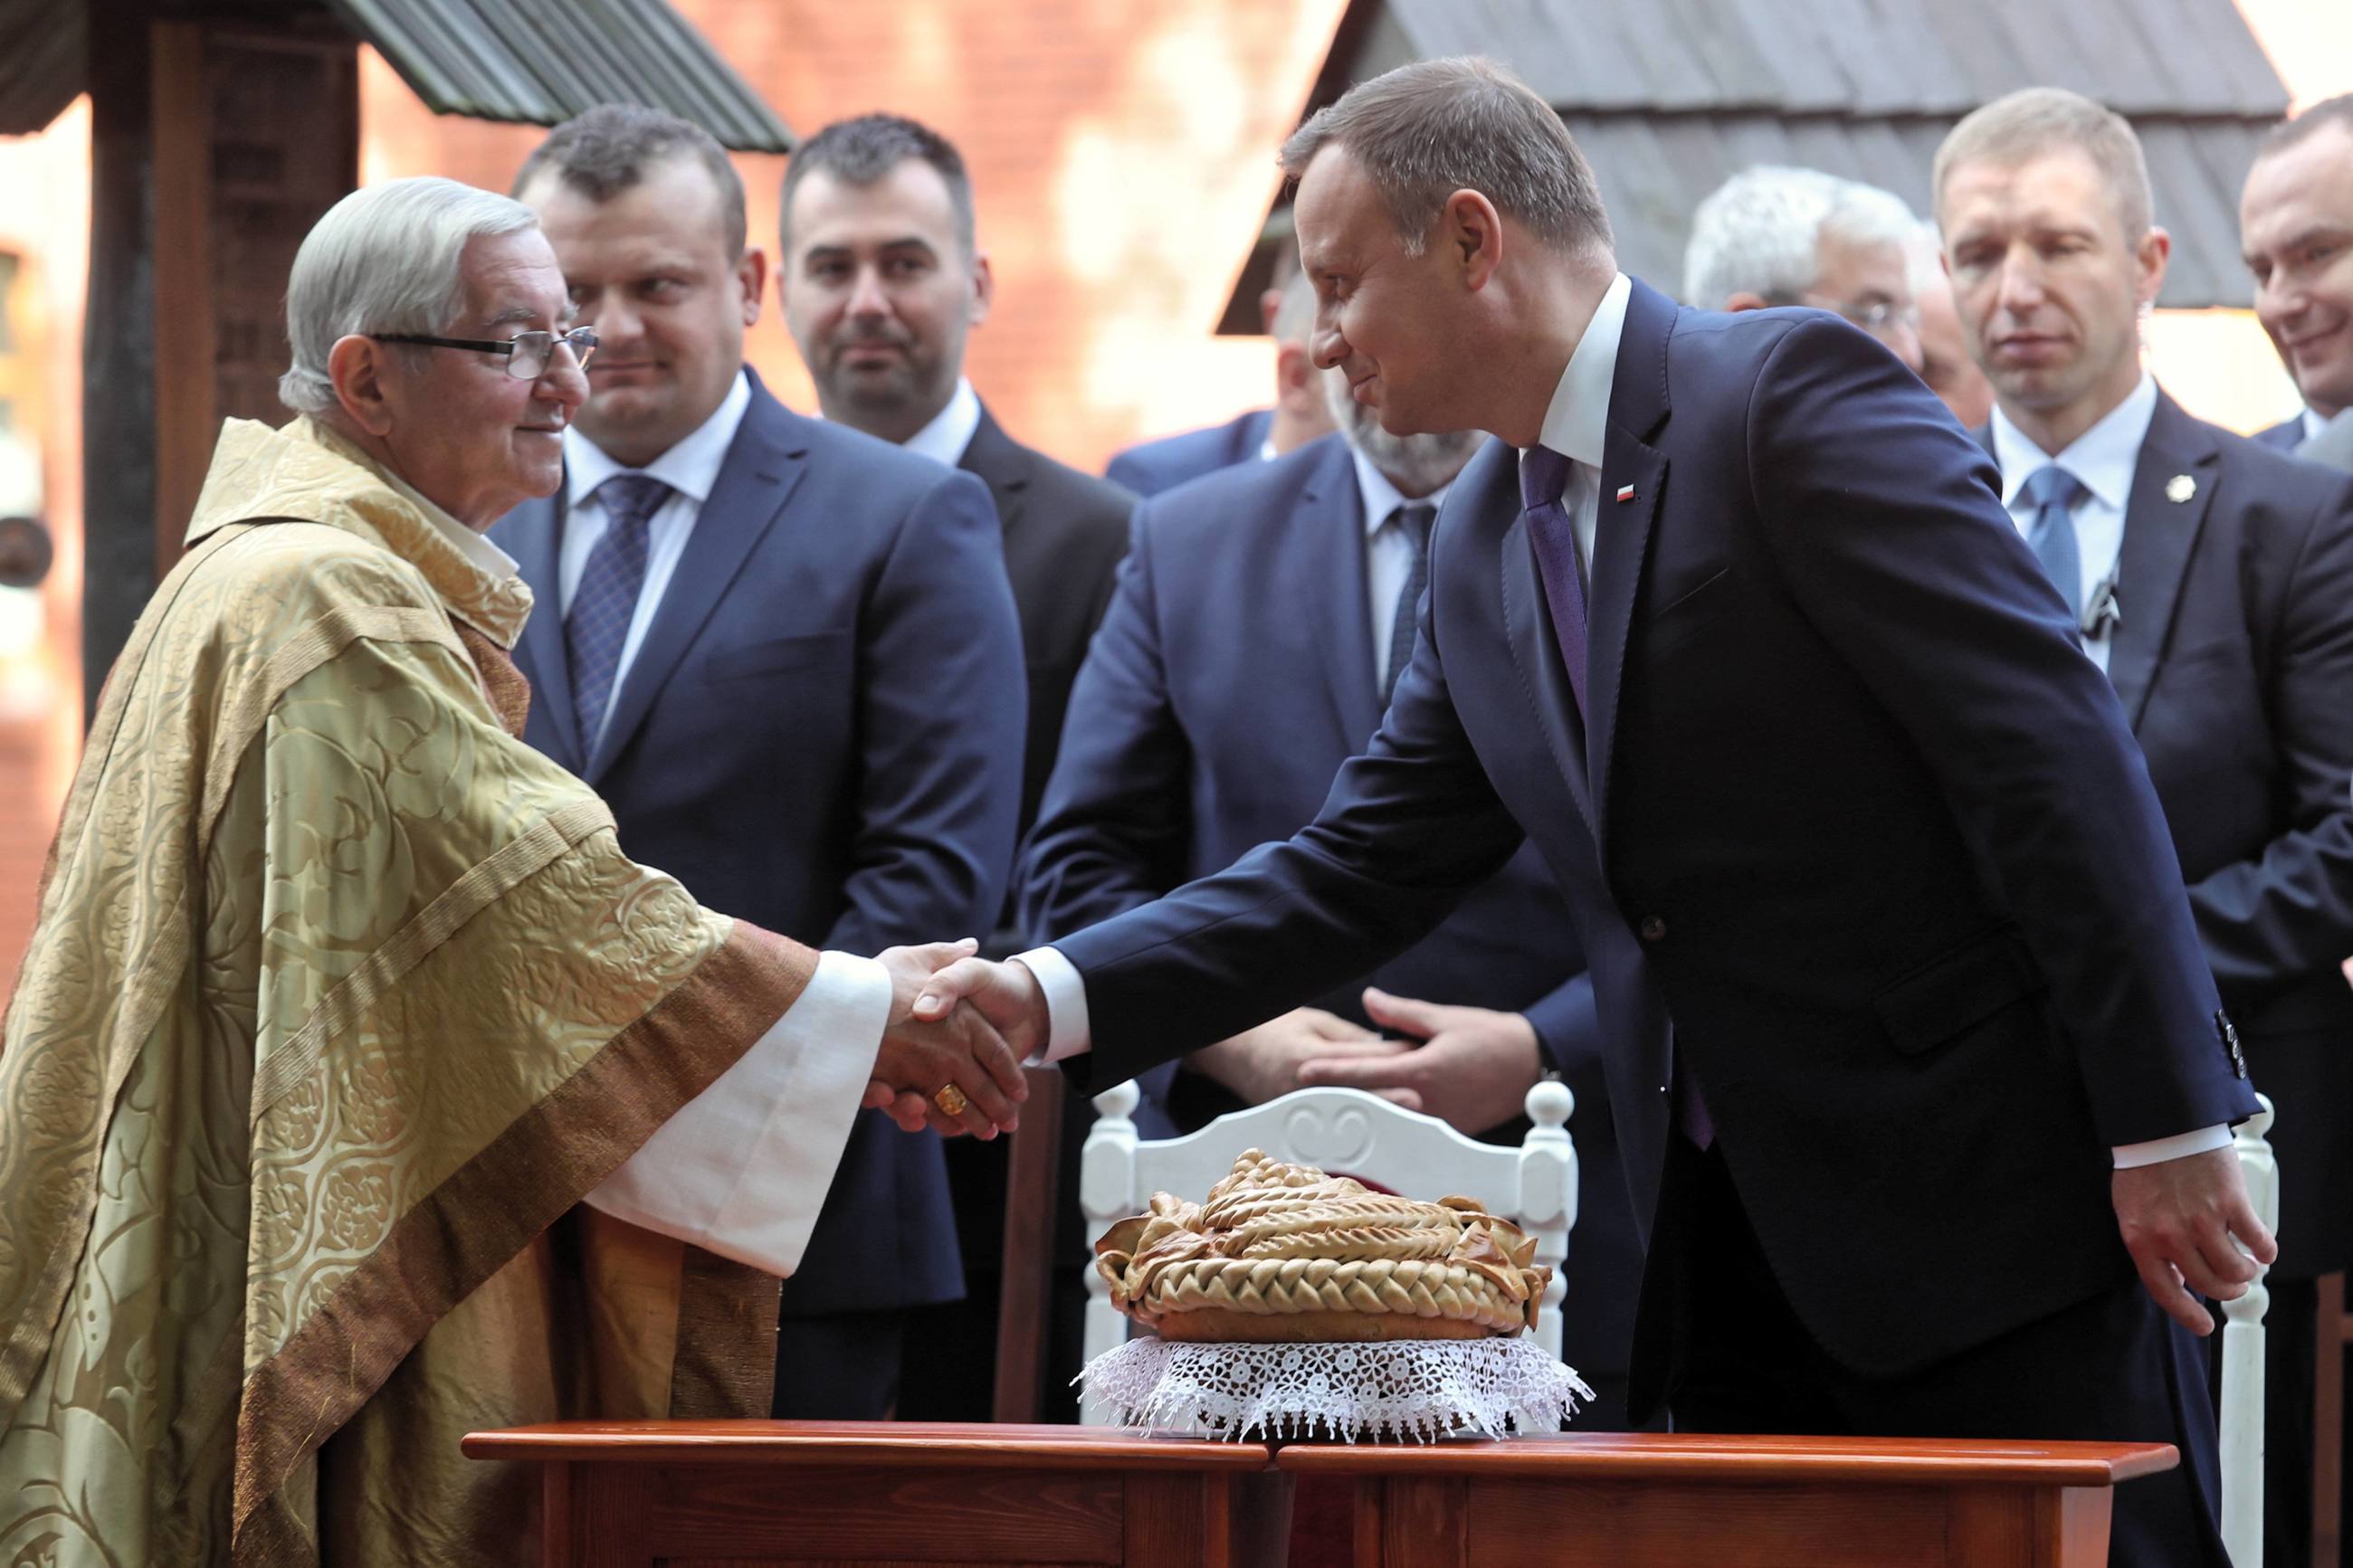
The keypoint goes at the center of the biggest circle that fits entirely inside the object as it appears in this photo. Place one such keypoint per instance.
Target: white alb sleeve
(742, 1167)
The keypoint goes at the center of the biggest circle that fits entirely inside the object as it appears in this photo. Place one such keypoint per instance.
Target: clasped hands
(950, 1046)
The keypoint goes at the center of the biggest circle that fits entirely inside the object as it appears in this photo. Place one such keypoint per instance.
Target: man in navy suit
(2213, 581)
(2295, 226)
(883, 279)
(786, 654)
(1297, 418)
(1888, 940)
(1261, 618)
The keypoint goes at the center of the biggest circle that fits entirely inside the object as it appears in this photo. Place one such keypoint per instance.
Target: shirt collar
(1577, 426)
(1382, 498)
(2315, 422)
(690, 467)
(951, 430)
(2102, 457)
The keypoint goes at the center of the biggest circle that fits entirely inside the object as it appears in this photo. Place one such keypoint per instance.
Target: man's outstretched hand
(2184, 1222)
(951, 1045)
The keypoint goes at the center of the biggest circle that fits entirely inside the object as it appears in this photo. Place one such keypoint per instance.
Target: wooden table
(1661, 1500)
(740, 1494)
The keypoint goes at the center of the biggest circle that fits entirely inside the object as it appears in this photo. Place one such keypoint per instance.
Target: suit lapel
(1621, 535)
(1000, 465)
(1330, 529)
(533, 534)
(763, 465)
(2161, 534)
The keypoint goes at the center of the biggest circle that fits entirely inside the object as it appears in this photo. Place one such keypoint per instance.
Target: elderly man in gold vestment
(357, 1091)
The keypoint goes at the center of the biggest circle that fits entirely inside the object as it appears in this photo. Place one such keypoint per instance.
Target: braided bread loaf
(1282, 1252)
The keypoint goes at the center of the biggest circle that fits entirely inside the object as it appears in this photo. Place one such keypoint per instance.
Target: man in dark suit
(2213, 580)
(883, 278)
(1888, 942)
(2295, 226)
(1261, 615)
(1260, 436)
(784, 652)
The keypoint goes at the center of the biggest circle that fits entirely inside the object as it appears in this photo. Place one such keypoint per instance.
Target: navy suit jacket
(1065, 533)
(813, 737)
(1852, 809)
(2284, 437)
(2234, 658)
(1151, 466)
(1233, 676)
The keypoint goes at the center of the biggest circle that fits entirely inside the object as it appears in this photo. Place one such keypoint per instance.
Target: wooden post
(118, 400)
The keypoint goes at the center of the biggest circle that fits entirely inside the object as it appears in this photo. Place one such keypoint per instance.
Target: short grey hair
(1423, 132)
(2027, 124)
(1760, 232)
(1295, 317)
(383, 260)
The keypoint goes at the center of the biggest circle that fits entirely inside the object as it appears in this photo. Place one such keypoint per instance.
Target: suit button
(1651, 928)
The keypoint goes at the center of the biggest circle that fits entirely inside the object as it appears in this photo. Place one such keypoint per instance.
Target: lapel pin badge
(1625, 493)
(2179, 488)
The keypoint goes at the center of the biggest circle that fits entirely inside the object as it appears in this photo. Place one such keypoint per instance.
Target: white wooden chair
(1346, 1132)
(2242, 1414)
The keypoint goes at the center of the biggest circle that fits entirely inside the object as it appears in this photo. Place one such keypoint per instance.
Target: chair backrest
(1344, 1132)
(2242, 1406)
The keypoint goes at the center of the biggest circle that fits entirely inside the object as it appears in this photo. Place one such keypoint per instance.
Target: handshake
(951, 1054)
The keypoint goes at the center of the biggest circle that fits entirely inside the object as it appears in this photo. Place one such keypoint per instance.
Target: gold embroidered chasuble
(340, 999)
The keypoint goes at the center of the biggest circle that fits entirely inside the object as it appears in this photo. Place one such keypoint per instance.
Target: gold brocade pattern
(340, 997)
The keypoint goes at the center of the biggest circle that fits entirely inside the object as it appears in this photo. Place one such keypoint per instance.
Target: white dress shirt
(1389, 553)
(690, 468)
(1576, 426)
(2315, 422)
(950, 432)
(2102, 459)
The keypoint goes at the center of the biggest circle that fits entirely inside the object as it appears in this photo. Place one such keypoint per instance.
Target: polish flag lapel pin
(1625, 493)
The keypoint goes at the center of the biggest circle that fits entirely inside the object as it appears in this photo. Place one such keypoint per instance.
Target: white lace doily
(1401, 1388)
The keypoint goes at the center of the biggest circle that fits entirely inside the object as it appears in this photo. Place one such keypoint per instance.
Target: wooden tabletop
(1663, 1456)
(908, 1444)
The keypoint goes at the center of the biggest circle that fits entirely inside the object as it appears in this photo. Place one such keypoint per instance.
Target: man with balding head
(2212, 579)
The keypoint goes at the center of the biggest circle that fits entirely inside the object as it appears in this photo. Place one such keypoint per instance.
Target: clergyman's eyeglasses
(527, 353)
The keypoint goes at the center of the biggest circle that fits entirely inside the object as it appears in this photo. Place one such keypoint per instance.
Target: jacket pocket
(1953, 993)
(774, 655)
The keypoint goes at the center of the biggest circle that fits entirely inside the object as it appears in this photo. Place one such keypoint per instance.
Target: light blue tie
(2055, 492)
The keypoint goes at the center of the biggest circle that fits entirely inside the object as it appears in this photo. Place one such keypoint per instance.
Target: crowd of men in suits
(791, 652)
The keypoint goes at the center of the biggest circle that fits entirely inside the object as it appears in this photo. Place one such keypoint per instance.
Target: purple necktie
(1543, 476)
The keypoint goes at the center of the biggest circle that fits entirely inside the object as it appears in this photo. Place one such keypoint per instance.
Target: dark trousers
(2112, 1368)
(843, 1367)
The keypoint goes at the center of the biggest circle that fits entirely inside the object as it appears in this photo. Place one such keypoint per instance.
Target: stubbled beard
(1417, 465)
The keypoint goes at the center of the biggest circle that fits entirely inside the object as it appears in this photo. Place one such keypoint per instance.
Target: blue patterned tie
(607, 599)
(1413, 520)
(1543, 476)
(2053, 493)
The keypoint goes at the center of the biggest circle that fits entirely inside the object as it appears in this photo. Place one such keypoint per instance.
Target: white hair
(1760, 232)
(382, 259)
(1924, 257)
